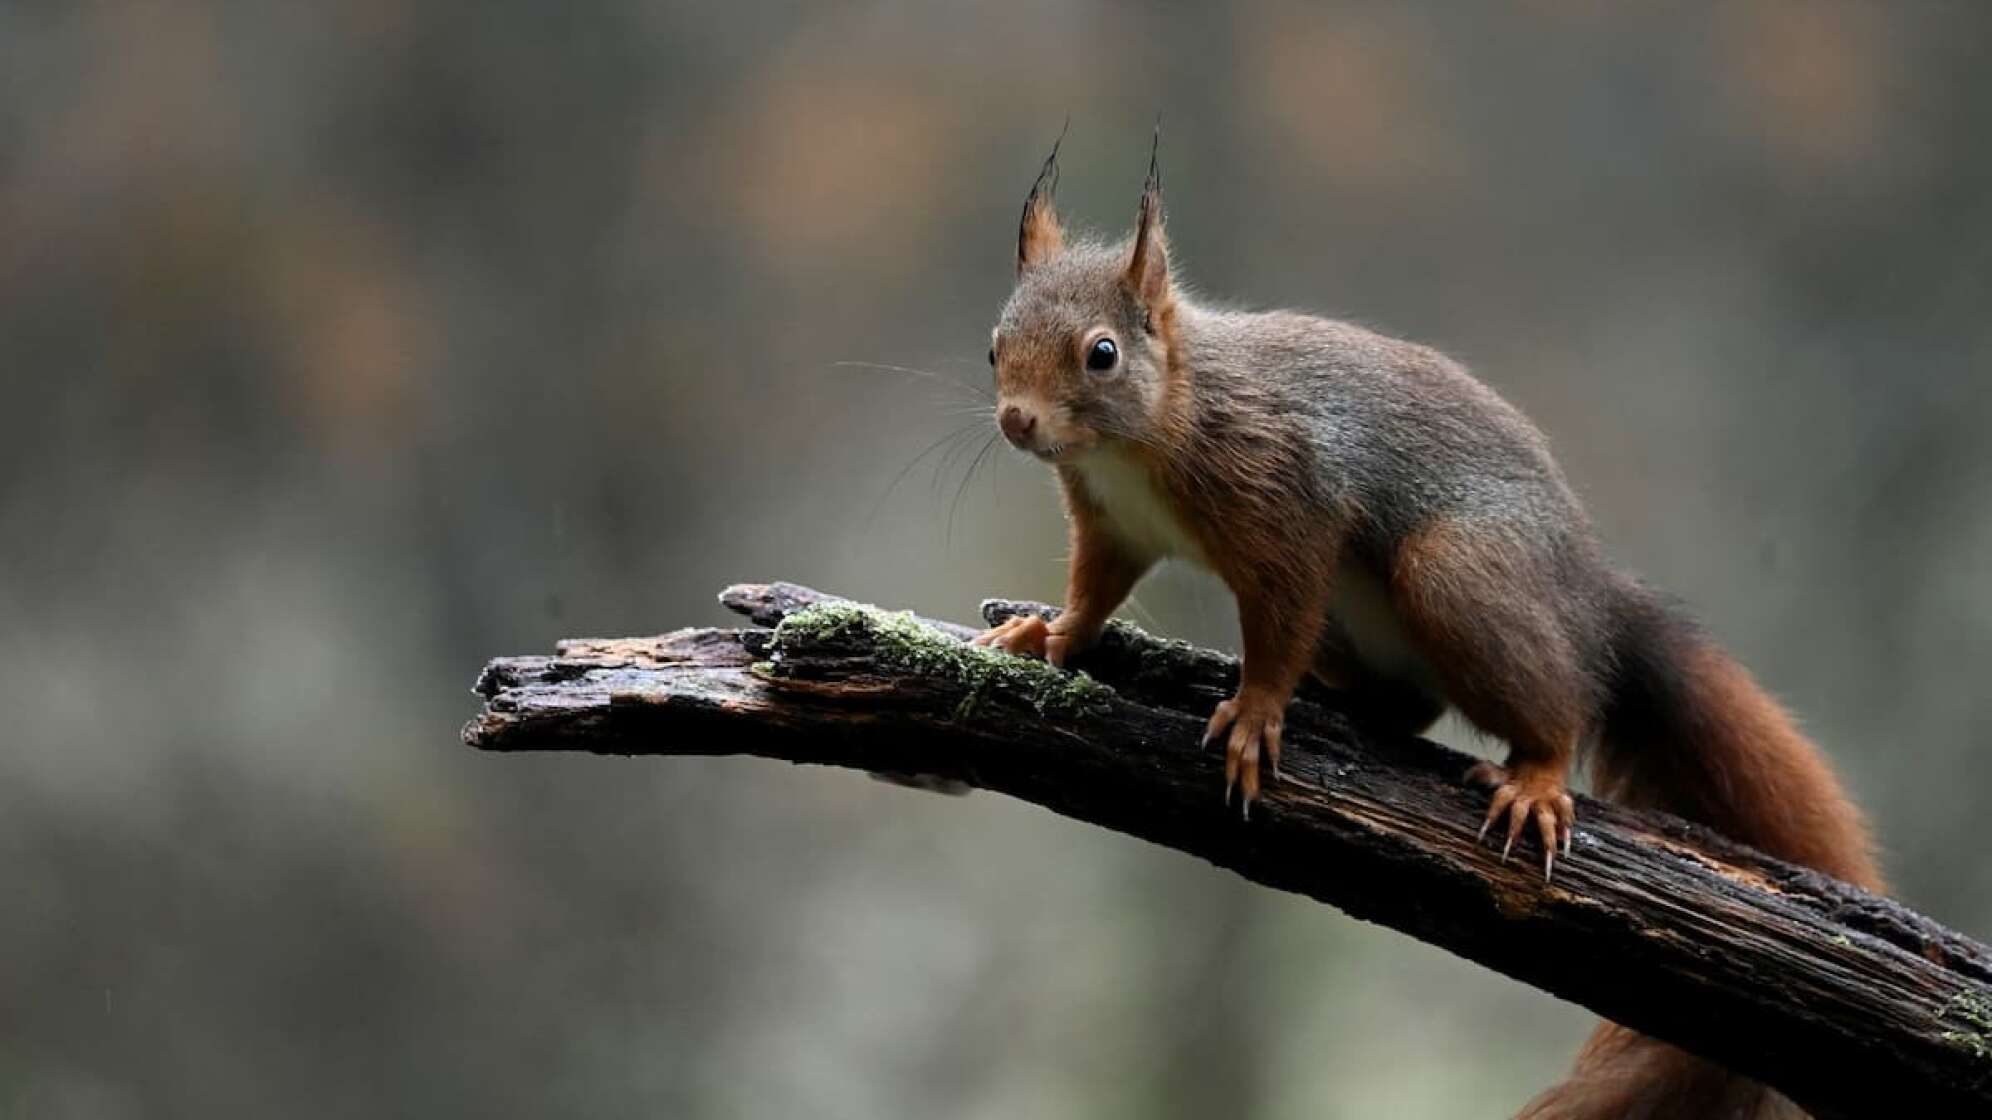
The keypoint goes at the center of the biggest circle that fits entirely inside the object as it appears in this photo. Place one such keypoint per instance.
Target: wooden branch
(1851, 1004)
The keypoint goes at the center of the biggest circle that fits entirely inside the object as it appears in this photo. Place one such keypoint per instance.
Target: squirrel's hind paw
(1531, 796)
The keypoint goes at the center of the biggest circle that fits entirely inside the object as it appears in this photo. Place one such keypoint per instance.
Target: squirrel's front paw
(1024, 635)
(1027, 635)
(1255, 720)
(1529, 794)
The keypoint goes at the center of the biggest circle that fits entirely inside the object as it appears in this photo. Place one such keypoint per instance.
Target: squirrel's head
(1082, 349)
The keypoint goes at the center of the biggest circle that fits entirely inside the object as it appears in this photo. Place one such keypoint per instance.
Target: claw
(1503, 798)
(1249, 727)
(1526, 800)
(1219, 720)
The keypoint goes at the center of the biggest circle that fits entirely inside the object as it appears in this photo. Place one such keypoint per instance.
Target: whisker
(925, 374)
(973, 465)
(961, 432)
(949, 461)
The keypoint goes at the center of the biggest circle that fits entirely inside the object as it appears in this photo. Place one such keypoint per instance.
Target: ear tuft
(1039, 236)
(1147, 273)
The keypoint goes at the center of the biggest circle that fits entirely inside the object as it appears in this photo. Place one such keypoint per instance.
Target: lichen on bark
(899, 642)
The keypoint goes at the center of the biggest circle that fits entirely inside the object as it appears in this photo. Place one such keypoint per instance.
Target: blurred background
(345, 346)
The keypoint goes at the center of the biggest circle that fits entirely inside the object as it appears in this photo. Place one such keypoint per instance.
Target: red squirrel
(1390, 524)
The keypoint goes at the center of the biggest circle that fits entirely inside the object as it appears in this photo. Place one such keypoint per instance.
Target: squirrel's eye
(1101, 357)
(992, 355)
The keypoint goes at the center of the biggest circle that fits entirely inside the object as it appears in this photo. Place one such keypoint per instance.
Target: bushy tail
(1688, 731)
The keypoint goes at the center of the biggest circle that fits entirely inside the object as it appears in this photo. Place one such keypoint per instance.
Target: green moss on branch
(900, 643)
(1976, 1014)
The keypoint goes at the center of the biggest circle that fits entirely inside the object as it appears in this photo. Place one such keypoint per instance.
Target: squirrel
(1391, 525)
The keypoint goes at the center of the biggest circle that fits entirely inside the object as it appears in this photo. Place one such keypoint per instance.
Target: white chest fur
(1370, 623)
(1137, 513)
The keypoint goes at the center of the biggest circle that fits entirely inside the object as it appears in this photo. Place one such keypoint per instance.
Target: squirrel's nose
(1017, 427)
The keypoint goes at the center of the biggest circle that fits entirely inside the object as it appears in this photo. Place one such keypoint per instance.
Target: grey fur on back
(1405, 438)
(1405, 429)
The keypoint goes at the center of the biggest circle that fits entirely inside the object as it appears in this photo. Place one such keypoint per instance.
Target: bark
(1850, 1003)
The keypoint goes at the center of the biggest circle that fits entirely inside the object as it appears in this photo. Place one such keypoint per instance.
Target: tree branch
(1849, 1003)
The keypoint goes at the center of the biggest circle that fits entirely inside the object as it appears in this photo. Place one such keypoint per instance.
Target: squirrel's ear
(1148, 268)
(1039, 236)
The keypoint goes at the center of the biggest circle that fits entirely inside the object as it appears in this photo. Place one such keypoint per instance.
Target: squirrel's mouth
(1057, 452)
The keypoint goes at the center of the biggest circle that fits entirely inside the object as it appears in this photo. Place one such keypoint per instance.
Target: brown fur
(1303, 460)
(1100, 575)
(1746, 770)
(1626, 1076)
(1507, 663)
(1039, 236)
